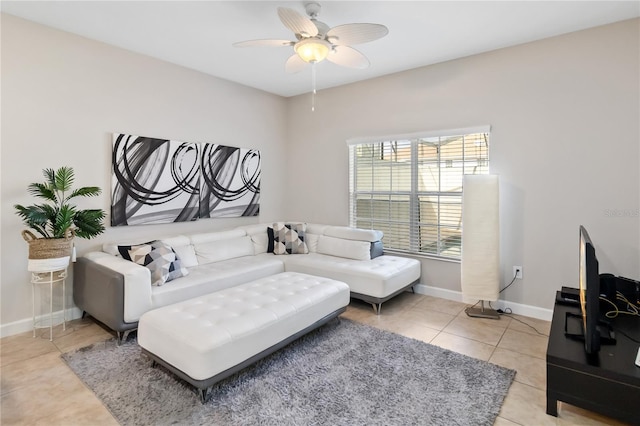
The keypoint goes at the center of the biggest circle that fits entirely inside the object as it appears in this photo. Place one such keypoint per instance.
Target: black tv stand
(607, 382)
(607, 335)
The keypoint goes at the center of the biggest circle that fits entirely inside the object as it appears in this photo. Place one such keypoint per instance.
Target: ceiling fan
(315, 41)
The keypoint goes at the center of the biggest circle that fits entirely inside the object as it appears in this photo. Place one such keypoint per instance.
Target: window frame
(415, 194)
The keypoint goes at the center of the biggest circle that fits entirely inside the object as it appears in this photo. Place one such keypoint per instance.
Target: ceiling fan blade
(294, 64)
(269, 43)
(300, 25)
(348, 57)
(348, 34)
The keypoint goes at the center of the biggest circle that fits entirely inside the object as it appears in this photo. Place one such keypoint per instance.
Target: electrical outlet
(517, 272)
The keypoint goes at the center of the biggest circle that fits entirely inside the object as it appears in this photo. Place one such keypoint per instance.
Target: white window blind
(410, 187)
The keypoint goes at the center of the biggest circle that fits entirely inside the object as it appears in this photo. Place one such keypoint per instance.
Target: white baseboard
(516, 308)
(25, 325)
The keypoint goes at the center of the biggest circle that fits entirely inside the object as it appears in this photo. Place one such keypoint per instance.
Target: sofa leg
(377, 308)
(122, 337)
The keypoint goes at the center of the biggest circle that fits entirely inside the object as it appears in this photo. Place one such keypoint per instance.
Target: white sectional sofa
(117, 292)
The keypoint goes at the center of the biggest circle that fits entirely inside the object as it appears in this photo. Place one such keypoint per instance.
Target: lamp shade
(480, 271)
(312, 50)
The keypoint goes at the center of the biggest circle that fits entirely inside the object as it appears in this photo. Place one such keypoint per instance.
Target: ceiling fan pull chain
(313, 86)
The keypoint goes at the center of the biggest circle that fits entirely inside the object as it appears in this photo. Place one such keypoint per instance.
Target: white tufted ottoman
(208, 338)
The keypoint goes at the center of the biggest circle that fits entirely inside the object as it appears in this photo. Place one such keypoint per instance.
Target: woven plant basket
(49, 248)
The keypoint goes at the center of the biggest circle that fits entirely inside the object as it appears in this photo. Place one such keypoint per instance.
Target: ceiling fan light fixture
(312, 50)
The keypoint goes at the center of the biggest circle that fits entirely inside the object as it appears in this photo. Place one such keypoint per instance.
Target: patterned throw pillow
(288, 238)
(158, 257)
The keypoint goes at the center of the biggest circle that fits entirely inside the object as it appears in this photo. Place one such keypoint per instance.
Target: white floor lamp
(480, 243)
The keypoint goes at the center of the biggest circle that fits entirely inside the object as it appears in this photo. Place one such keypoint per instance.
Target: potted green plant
(57, 221)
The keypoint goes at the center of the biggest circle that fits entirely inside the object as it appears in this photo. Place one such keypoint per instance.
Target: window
(410, 188)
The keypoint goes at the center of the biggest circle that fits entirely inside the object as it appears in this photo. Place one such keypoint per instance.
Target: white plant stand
(44, 280)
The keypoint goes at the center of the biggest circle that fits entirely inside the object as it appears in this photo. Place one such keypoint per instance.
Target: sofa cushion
(208, 237)
(356, 234)
(177, 241)
(258, 228)
(183, 248)
(316, 228)
(258, 234)
(260, 242)
(288, 238)
(204, 279)
(378, 277)
(350, 249)
(158, 257)
(217, 250)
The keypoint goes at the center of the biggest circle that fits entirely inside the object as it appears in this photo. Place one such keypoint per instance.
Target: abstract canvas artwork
(161, 181)
(230, 183)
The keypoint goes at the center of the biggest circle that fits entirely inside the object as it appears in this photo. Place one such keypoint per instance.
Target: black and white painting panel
(230, 181)
(154, 180)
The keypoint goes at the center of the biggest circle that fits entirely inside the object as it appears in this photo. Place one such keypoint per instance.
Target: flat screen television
(589, 286)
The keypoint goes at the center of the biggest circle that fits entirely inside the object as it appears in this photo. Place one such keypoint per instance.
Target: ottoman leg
(205, 394)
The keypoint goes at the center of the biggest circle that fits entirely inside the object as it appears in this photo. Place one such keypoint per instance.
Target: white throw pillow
(312, 242)
(350, 249)
(181, 244)
(216, 251)
(187, 255)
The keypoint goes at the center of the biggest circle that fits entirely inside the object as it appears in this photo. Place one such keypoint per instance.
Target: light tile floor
(38, 388)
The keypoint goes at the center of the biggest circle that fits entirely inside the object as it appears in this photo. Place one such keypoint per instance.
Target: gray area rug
(344, 373)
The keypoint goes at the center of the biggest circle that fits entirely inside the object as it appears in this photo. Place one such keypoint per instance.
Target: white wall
(565, 116)
(63, 96)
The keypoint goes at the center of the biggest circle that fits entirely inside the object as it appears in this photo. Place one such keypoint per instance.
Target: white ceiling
(199, 34)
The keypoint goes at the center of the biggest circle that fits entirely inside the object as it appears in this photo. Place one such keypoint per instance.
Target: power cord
(508, 311)
(509, 285)
(632, 309)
